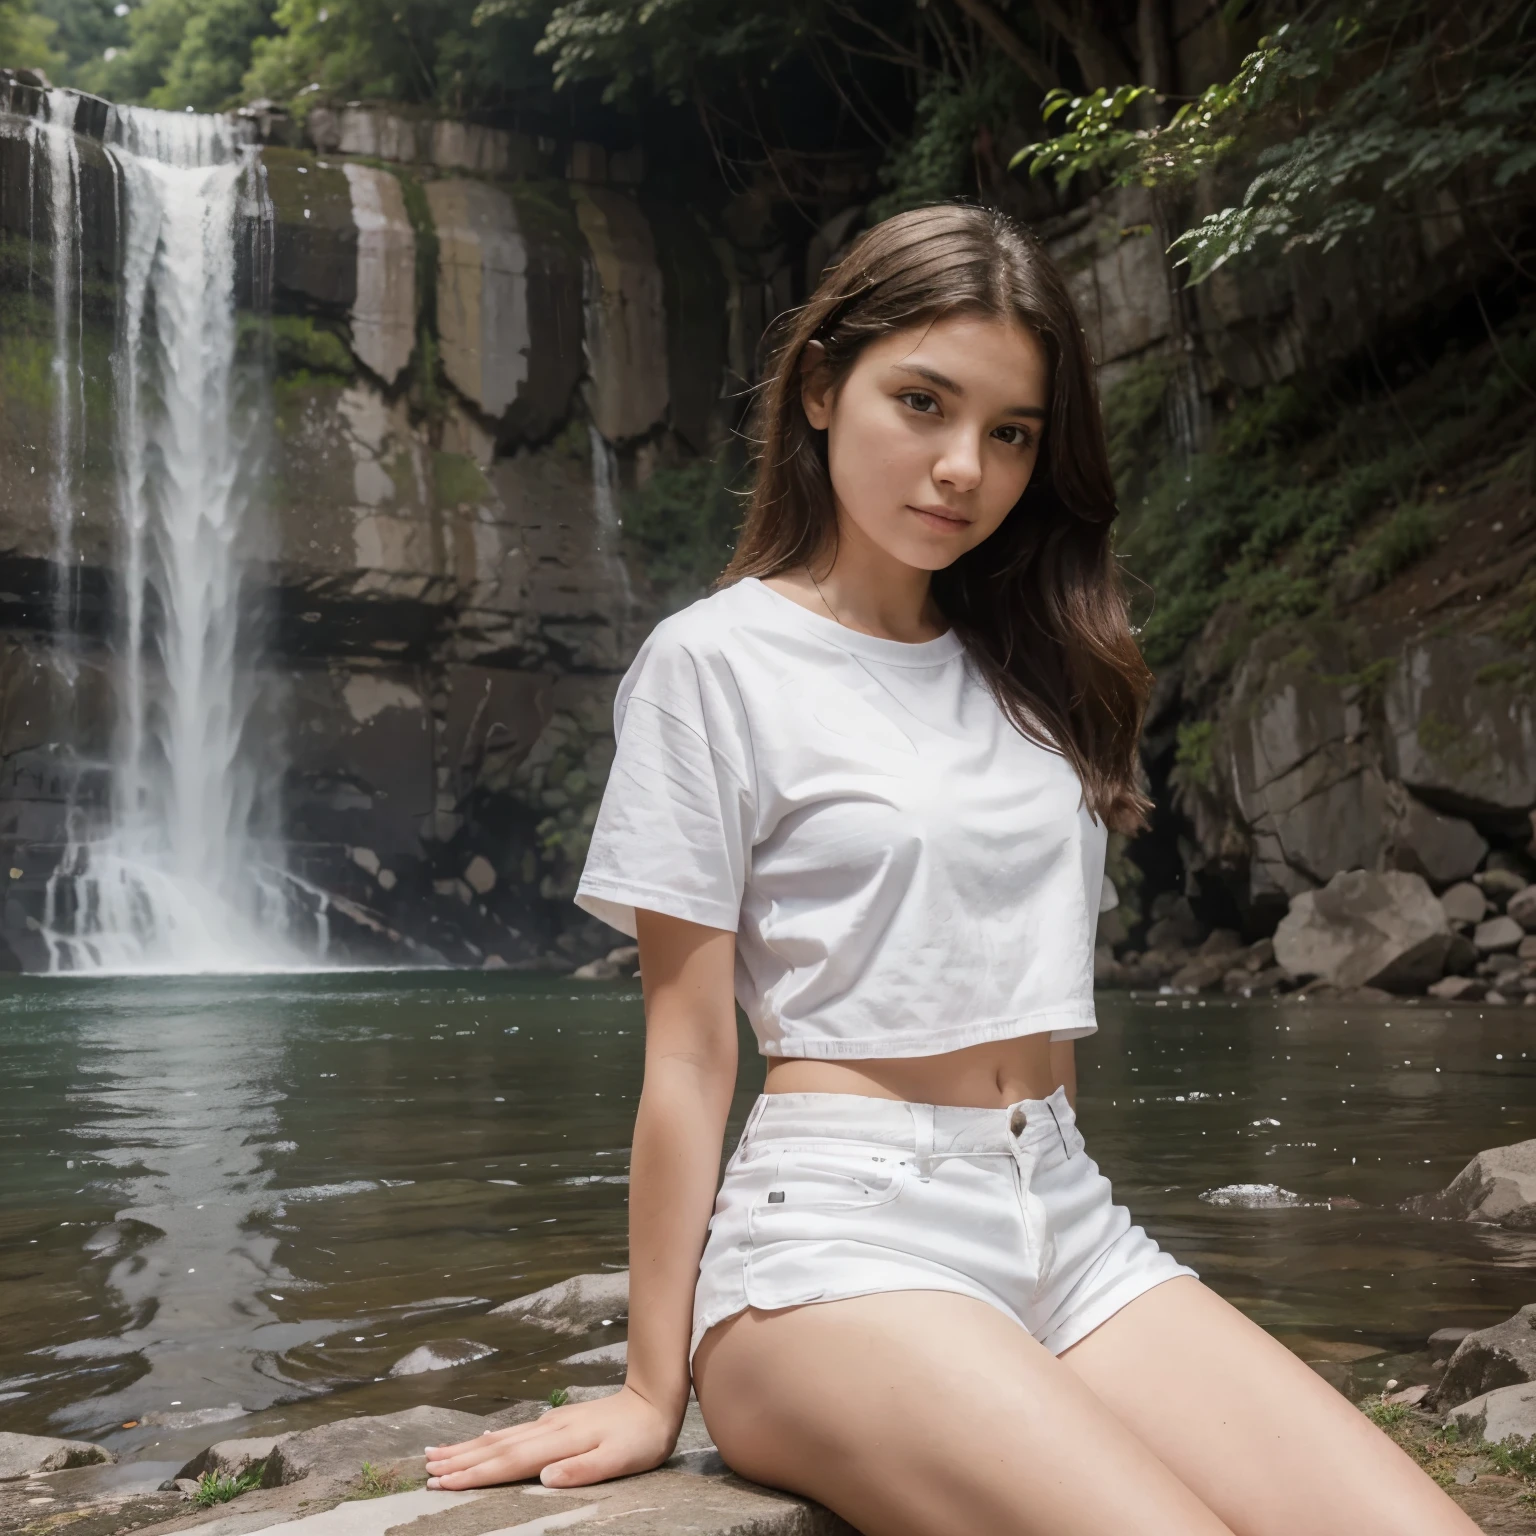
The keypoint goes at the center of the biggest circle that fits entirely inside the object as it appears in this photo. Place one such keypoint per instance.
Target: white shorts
(830, 1195)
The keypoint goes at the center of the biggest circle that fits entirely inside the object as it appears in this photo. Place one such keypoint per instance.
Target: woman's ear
(815, 385)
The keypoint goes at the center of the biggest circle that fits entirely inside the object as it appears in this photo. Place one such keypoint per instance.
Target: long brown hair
(1039, 604)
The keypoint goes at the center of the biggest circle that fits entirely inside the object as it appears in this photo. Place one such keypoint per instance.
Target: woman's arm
(688, 975)
(1064, 1068)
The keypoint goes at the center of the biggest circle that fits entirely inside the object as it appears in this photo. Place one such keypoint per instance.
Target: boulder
(1522, 907)
(1527, 949)
(339, 1449)
(605, 1354)
(1498, 1185)
(1497, 935)
(1464, 903)
(229, 1458)
(1174, 924)
(1496, 1415)
(1458, 989)
(1441, 848)
(1448, 1338)
(573, 1306)
(1201, 973)
(1488, 1358)
(1459, 731)
(1362, 929)
(26, 1455)
(1501, 886)
(1245, 983)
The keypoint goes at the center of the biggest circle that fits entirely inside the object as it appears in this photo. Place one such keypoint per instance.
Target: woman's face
(933, 434)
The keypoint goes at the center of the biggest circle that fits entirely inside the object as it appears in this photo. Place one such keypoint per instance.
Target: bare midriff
(991, 1074)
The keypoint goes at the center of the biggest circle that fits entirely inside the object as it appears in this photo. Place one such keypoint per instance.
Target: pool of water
(229, 1206)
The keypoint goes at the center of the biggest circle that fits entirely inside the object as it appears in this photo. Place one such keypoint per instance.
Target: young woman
(865, 788)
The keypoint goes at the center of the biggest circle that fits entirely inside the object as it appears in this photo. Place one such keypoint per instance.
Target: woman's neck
(862, 587)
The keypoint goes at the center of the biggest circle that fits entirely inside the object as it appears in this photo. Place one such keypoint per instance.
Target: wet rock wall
(473, 353)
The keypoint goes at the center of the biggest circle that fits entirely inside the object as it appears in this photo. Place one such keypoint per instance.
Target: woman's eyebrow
(945, 382)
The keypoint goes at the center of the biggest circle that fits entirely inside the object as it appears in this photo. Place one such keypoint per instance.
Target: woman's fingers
(468, 1453)
(508, 1460)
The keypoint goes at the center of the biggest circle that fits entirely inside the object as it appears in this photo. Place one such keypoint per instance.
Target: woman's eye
(1022, 436)
(919, 401)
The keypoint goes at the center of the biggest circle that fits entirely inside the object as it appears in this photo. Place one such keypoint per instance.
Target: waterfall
(57, 137)
(175, 877)
(605, 503)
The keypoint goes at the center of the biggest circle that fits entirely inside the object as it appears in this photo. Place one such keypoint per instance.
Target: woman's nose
(960, 463)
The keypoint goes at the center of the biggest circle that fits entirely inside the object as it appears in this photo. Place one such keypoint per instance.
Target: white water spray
(56, 136)
(176, 880)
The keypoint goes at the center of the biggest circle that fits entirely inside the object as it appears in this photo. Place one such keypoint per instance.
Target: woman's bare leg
(1262, 1439)
(924, 1413)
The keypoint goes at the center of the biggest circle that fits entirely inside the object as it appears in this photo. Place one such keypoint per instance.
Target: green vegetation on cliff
(1317, 492)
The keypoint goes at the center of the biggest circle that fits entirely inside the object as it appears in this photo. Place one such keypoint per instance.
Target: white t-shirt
(904, 871)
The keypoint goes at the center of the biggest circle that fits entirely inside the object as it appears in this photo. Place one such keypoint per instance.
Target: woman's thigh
(1254, 1432)
(923, 1413)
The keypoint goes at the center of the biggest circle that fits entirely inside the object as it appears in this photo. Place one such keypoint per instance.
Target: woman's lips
(942, 520)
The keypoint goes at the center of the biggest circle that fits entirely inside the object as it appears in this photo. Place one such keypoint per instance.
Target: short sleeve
(674, 829)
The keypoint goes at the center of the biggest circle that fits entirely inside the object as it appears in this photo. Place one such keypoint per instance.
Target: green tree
(26, 37)
(402, 50)
(1365, 114)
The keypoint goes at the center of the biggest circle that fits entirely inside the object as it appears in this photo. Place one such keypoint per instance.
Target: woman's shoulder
(703, 631)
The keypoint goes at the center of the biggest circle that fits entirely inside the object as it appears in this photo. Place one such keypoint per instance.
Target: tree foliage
(1364, 113)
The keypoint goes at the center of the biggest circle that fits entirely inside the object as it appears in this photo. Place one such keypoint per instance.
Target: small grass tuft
(559, 1397)
(375, 1482)
(219, 1488)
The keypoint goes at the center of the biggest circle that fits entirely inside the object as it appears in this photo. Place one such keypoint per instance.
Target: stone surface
(1498, 1414)
(1488, 1358)
(1498, 1185)
(573, 1306)
(1441, 848)
(229, 1457)
(1522, 907)
(340, 1448)
(508, 301)
(626, 325)
(384, 309)
(1459, 731)
(1464, 903)
(1458, 989)
(23, 1455)
(1363, 929)
(1497, 935)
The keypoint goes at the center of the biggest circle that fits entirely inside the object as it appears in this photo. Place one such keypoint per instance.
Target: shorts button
(1016, 1122)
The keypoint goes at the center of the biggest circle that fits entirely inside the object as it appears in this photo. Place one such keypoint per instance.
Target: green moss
(456, 479)
(1407, 535)
(1517, 670)
(1193, 764)
(1303, 481)
(683, 521)
(1133, 417)
(301, 347)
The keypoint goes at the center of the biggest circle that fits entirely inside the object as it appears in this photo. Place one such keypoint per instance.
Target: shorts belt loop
(922, 1120)
(1064, 1147)
(752, 1119)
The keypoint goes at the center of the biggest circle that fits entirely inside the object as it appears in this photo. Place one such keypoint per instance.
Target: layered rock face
(472, 355)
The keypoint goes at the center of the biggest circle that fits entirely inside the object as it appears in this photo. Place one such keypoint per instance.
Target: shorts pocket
(831, 1179)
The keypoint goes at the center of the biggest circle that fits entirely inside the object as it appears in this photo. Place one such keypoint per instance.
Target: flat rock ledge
(313, 1485)
(25, 1455)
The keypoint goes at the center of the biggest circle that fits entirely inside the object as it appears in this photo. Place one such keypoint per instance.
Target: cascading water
(176, 878)
(57, 139)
